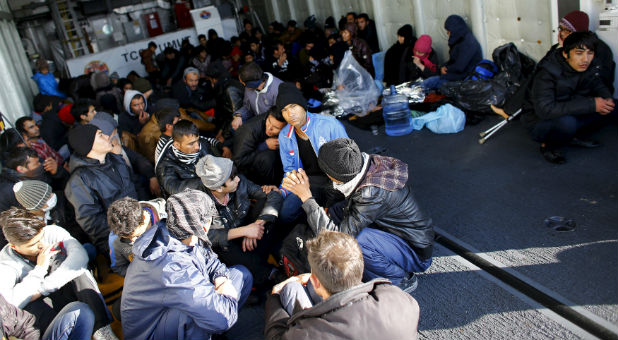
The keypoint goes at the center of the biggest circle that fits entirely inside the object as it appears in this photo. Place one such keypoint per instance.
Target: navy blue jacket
(464, 50)
(169, 291)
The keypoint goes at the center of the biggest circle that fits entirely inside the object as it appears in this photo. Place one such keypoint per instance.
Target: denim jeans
(74, 321)
(241, 280)
(433, 83)
(388, 256)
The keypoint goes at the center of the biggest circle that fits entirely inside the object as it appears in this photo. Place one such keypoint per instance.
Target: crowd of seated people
(186, 183)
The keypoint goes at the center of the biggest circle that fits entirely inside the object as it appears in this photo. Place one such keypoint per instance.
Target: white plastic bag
(447, 119)
(359, 93)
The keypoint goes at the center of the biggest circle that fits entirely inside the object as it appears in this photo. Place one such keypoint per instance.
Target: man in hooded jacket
(176, 287)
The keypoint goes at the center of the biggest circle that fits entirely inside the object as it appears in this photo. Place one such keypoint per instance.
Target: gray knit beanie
(187, 213)
(340, 159)
(214, 171)
(32, 195)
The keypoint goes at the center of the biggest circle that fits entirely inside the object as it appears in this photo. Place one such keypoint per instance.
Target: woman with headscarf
(397, 56)
(424, 61)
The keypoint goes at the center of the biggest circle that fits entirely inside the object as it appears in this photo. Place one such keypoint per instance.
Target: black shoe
(585, 143)
(552, 156)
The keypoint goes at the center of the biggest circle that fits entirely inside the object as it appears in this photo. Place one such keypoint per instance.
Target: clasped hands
(297, 182)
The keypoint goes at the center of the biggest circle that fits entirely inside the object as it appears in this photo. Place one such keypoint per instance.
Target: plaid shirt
(385, 172)
(44, 151)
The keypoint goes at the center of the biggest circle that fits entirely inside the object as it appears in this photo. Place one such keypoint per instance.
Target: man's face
(309, 46)
(350, 18)
(203, 55)
(188, 144)
(254, 47)
(32, 129)
(203, 41)
(248, 58)
(170, 56)
(401, 39)
(295, 115)
(32, 247)
(127, 87)
(278, 51)
(102, 143)
(273, 126)
(362, 23)
(138, 105)
(231, 184)
(345, 35)
(248, 27)
(192, 80)
(579, 58)
(89, 115)
(33, 164)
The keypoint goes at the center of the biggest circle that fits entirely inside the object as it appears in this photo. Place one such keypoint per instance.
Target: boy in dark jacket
(176, 287)
(337, 298)
(380, 211)
(256, 148)
(238, 228)
(567, 100)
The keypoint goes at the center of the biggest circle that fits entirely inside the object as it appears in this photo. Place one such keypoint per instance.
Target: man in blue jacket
(299, 142)
(464, 53)
(176, 287)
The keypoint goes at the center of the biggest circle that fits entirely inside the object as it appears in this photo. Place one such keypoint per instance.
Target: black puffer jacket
(386, 313)
(394, 212)
(235, 213)
(175, 176)
(229, 93)
(91, 189)
(17, 323)
(559, 90)
(246, 141)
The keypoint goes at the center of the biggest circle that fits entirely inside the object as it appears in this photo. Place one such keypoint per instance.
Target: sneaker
(409, 283)
(552, 156)
(585, 143)
(104, 333)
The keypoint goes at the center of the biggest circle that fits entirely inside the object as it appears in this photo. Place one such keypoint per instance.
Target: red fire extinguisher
(183, 14)
(153, 24)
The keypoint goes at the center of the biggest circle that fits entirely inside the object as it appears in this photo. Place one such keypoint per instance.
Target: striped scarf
(186, 158)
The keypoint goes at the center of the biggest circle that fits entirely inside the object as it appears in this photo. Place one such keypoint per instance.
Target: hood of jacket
(458, 28)
(155, 243)
(127, 101)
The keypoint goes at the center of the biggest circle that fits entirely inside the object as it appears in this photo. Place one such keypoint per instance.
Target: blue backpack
(484, 70)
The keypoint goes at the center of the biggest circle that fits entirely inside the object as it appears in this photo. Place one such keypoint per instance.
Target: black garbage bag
(477, 95)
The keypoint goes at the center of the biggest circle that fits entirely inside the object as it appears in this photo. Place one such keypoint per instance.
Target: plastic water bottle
(396, 112)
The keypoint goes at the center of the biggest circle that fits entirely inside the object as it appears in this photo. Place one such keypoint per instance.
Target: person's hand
(417, 61)
(227, 152)
(143, 117)
(44, 257)
(254, 230)
(155, 188)
(268, 188)
(66, 167)
(249, 244)
(302, 278)
(297, 182)
(226, 288)
(443, 70)
(282, 58)
(604, 106)
(50, 165)
(272, 143)
(237, 122)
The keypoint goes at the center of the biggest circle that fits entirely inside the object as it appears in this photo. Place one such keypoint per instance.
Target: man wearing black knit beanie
(395, 236)
(98, 178)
